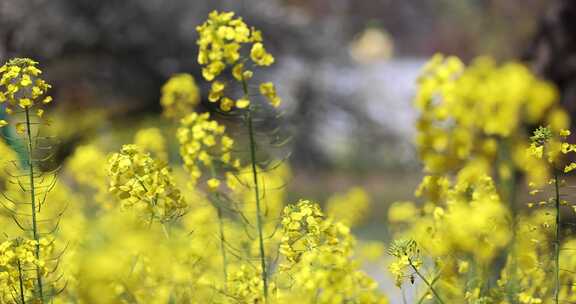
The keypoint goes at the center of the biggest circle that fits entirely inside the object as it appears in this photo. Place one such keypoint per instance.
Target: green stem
(258, 212)
(166, 233)
(426, 282)
(256, 193)
(431, 283)
(33, 203)
(508, 190)
(216, 202)
(557, 239)
(21, 283)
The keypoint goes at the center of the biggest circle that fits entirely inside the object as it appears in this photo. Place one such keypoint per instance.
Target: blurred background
(346, 70)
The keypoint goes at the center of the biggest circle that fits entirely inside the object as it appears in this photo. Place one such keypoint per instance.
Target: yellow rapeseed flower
(180, 95)
(21, 86)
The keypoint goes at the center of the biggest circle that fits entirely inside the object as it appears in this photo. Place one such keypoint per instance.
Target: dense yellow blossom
(21, 87)
(152, 141)
(223, 44)
(547, 145)
(350, 208)
(144, 184)
(302, 229)
(17, 257)
(464, 240)
(402, 212)
(245, 285)
(180, 95)
(470, 113)
(471, 133)
(221, 38)
(85, 166)
(407, 261)
(466, 219)
(319, 264)
(205, 148)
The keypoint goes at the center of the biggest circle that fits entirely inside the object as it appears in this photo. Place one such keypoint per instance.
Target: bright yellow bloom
(350, 208)
(21, 86)
(213, 184)
(268, 90)
(319, 264)
(223, 41)
(242, 103)
(205, 147)
(152, 141)
(259, 55)
(468, 112)
(144, 184)
(180, 95)
(221, 38)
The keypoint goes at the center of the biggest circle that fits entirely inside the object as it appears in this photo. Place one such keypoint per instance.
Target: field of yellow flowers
(131, 224)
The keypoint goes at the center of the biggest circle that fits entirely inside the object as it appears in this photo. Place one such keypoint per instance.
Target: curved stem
(426, 282)
(21, 282)
(256, 193)
(557, 239)
(166, 232)
(258, 212)
(35, 233)
(216, 202)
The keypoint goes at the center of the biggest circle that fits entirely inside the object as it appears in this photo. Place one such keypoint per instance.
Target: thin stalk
(557, 238)
(258, 212)
(256, 193)
(426, 282)
(404, 301)
(33, 203)
(166, 232)
(431, 283)
(508, 188)
(216, 202)
(223, 248)
(21, 282)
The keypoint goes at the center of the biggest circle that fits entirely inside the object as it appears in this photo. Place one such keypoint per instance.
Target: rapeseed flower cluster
(22, 88)
(350, 208)
(180, 95)
(222, 41)
(245, 285)
(27, 187)
(549, 146)
(205, 248)
(475, 114)
(231, 236)
(319, 264)
(205, 148)
(301, 227)
(152, 141)
(144, 184)
(408, 259)
(472, 141)
(17, 259)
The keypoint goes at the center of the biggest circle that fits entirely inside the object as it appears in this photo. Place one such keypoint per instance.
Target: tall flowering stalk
(223, 44)
(207, 150)
(471, 128)
(22, 91)
(551, 145)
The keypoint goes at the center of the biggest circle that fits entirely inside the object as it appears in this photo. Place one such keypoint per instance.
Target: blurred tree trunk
(552, 53)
